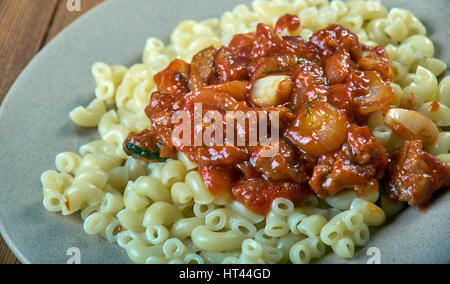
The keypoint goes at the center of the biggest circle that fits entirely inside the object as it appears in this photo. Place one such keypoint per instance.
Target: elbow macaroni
(89, 116)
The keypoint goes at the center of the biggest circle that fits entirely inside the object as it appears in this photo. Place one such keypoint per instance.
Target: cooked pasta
(201, 193)
(89, 116)
(276, 225)
(112, 203)
(131, 220)
(183, 228)
(133, 200)
(372, 214)
(217, 219)
(157, 203)
(209, 240)
(52, 201)
(161, 213)
(78, 195)
(96, 223)
(53, 181)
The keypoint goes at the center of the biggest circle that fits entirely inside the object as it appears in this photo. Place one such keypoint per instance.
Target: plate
(34, 127)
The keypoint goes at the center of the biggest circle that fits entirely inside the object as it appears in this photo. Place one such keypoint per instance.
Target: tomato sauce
(434, 106)
(336, 84)
(258, 194)
(287, 22)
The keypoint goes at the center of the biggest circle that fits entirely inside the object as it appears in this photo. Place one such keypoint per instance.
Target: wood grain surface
(26, 26)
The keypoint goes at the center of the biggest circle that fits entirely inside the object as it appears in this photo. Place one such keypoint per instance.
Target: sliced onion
(237, 89)
(221, 101)
(319, 129)
(271, 90)
(380, 94)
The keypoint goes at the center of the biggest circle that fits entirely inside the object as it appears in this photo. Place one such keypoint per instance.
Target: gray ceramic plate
(34, 127)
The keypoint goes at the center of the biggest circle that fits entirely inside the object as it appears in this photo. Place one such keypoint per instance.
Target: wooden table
(25, 27)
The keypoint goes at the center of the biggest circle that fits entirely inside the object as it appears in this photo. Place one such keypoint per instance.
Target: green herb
(308, 104)
(160, 144)
(268, 72)
(301, 61)
(137, 152)
(181, 77)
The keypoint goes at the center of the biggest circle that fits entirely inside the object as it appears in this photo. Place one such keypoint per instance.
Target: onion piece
(271, 90)
(221, 101)
(380, 94)
(319, 129)
(237, 89)
(411, 125)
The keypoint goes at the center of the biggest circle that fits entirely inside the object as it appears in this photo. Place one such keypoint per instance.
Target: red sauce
(258, 194)
(334, 78)
(288, 22)
(219, 181)
(434, 107)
